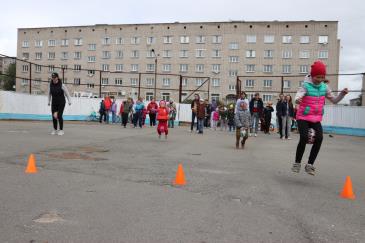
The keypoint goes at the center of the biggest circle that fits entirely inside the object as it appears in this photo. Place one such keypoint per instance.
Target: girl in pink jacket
(311, 98)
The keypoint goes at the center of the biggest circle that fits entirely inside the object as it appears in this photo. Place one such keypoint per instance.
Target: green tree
(9, 78)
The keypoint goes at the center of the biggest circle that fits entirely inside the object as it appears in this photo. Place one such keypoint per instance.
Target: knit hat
(318, 68)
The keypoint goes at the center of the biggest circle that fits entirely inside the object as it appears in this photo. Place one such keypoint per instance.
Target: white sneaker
(255, 134)
(60, 133)
(249, 134)
(289, 138)
(54, 132)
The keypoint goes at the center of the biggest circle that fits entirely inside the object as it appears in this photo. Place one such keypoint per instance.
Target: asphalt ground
(104, 183)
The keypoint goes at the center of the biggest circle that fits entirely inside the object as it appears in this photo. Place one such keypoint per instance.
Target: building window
(119, 54)
(118, 81)
(304, 54)
(167, 39)
(303, 68)
(200, 39)
(38, 68)
(216, 53)
(25, 44)
(323, 39)
(233, 46)
(233, 59)
(119, 41)
(184, 82)
(78, 42)
(149, 96)
(92, 47)
(323, 54)
(105, 67)
(25, 68)
(150, 81)
(90, 85)
(198, 82)
(250, 53)
(286, 84)
(166, 67)
(91, 59)
(150, 67)
(51, 55)
(216, 39)
(134, 81)
(267, 68)
(77, 81)
(166, 96)
(90, 72)
(232, 87)
(250, 83)
(184, 53)
(233, 73)
(268, 39)
(215, 97)
(24, 82)
(251, 38)
(166, 81)
(106, 54)
(184, 68)
(119, 67)
(184, 39)
(106, 41)
(287, 39)
(135, 54)
(250, 68)
(301, 83)
(37, 81)
(151, 40)
(150, 54)
(135, 40)
(51, 68)
(266, 97)
(38, 43)
(216, 68)
(216, 82)
(304, 39)
(104, 81)
(199, 53)
(134, 67)
(286, 68)
(77, 67)
(267, 83)
(199, 68)
(287, 54)
(38, 55)
(51, 43)
(166, 53)
(268, 53)
(77, 55)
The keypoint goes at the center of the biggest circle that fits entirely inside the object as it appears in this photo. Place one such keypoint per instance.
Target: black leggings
(58, 107)
(303, 127)
(125, 118)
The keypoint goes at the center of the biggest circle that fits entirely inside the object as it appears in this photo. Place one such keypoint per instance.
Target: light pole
(154, 92)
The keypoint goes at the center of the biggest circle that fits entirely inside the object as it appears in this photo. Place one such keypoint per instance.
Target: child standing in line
(230, 117)
(243, 123)
(223, 117)
(311, 98)
(162, 117)
(267, 117)
(215, 119)
(201, 112)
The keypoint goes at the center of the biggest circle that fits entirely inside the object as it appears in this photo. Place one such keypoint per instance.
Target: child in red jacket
(162, 117)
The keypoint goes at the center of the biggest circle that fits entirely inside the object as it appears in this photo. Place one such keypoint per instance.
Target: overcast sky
(350, 14)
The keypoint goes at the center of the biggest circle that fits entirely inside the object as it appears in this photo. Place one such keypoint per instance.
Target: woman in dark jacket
(56, 94)
(287, 114)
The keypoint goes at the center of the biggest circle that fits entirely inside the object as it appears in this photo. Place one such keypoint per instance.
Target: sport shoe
(288, 138)
(60, 133)
(310, 169)
(296, 167)
(54, 132)
(249, 134)
(255, 134)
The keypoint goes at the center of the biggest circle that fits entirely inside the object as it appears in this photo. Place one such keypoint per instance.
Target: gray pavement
(103, 183)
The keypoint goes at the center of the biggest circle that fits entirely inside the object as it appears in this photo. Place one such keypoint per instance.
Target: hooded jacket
(243, 118)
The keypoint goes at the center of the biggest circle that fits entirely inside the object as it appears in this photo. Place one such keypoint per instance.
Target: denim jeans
(200, 125)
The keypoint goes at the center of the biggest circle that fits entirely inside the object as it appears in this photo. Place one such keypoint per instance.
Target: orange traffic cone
(180, 176)
(347, 191)
(31, 167)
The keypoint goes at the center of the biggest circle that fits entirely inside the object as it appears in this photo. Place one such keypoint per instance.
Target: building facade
(4, 65)
(218, 50)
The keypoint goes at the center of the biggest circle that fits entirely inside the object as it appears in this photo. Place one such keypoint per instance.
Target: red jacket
(163, 113)
(107, 103)
(152, 107)
(121, 108)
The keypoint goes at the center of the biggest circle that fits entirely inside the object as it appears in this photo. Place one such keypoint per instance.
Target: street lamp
(154, 93)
